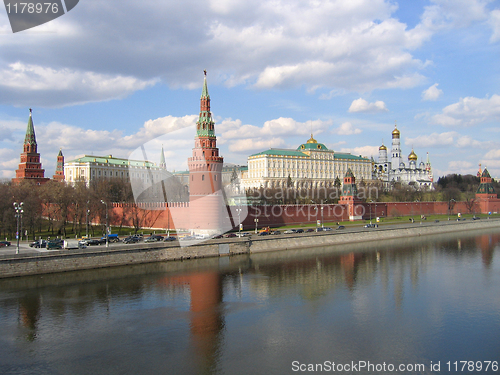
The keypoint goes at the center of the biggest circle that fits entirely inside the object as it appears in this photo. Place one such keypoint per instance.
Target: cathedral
(394, 169)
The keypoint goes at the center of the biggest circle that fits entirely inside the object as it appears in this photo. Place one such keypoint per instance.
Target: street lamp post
(256, 221)
(87, 221)
(322, 214)
(106, 204)
(18, 207)
(450, 208)
(238, 210)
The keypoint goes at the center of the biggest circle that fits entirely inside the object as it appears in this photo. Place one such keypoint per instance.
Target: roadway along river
(414, 304)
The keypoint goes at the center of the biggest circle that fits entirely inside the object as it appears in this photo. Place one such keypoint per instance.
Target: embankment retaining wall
(90, 258)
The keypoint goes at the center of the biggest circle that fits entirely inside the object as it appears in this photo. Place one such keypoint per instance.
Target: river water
(424, 304)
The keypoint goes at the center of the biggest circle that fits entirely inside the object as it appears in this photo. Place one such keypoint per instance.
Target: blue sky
(111, 76)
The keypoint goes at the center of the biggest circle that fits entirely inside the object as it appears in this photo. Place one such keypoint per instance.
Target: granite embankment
(93, 258)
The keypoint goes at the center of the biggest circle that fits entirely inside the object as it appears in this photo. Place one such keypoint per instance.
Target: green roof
(312, 146)
(113, 161)
(486, 173)
(281, 152)
(30, 132)
(349, 156)
(204, 91)
(349, 173)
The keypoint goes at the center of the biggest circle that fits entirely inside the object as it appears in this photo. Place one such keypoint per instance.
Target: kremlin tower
(206, 200)
(30, 167)
(350, 198)
(59, 176)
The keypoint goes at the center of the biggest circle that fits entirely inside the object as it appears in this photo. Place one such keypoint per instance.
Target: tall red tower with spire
(30, 167)
(206, 201)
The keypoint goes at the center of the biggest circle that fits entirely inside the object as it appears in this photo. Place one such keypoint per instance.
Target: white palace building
(311, 165)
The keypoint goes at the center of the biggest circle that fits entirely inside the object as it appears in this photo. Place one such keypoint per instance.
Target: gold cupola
(395, 132)
(312, 140)
(412, 156)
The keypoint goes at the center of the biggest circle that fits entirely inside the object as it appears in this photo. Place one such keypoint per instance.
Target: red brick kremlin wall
(177, 214)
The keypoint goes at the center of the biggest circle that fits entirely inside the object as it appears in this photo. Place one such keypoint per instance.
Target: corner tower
(30, 167)
(206, 201)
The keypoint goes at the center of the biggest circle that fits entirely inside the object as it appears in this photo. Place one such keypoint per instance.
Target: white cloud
(245, 145)
(346, 129)
(103, 54)
(495, 25)
(432, 140)
(467, 141)
(361, 105)
(282, 126)
(492, 154)
(21, 84)
(454, 13)
(470, 111)
(462, 167)
(365, 151)
(432, 93)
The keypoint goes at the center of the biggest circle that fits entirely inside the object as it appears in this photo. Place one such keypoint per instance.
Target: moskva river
(411, 306)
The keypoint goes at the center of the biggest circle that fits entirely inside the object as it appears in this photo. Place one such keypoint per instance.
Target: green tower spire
(30, 138)
(205, 127)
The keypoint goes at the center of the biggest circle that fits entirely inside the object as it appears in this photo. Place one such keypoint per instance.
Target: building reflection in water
(29, 313)
(486, 244)
(207, 321)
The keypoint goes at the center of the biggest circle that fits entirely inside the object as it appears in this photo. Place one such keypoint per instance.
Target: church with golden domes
(311, 165)
(393, 169)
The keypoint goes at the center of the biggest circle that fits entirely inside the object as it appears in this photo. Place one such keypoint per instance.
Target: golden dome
(312, 140)
(382, 148)
(412, 156)
(395, 132)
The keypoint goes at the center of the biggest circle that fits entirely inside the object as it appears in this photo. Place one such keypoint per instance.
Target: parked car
(263, 233)
(310, 230)
(319, 229)
(371, 226)
(229, 235)
(39, 244)
(169, 238)
(154, 238)
(300, 231)
(474, 218)
(277, 232)
(5, 243)
(131, 239)
(218, 236)
(92, 242)
(290, 231)
(111, 238)
(339, 227)
(53, 245)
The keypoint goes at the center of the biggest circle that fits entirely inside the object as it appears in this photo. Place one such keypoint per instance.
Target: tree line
(54, 207)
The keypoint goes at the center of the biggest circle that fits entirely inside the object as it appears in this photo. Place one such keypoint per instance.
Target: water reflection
(217, 315)
(206, 317)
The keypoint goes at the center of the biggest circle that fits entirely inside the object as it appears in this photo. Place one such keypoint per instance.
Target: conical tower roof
(204, 91)
(30, 137)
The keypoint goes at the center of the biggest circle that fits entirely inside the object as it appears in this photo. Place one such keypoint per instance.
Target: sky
(110, 77)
